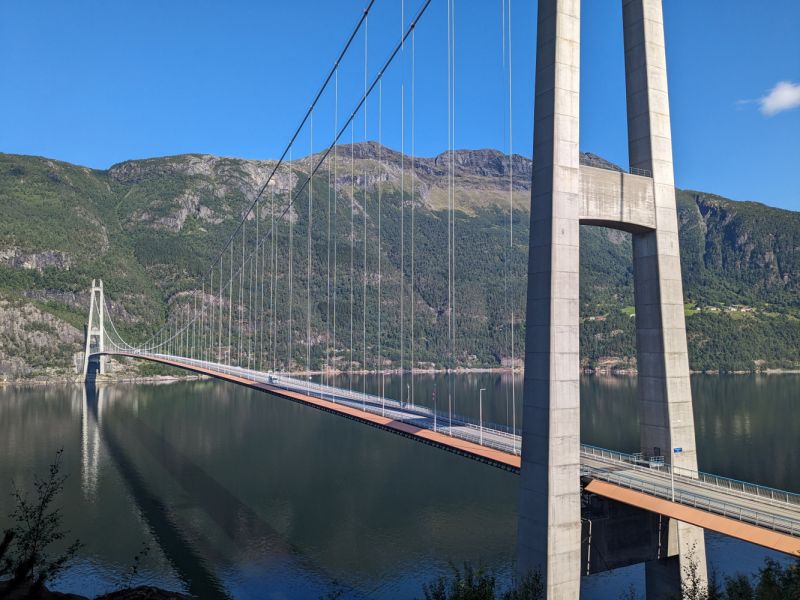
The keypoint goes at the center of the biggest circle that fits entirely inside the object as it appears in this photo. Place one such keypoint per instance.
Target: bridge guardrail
(602, 164)
(730, 511)
(731, 486)
(496, 428)
(410, 414)
(414, 415)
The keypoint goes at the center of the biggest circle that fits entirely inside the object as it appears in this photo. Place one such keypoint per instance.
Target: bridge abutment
(562, 197)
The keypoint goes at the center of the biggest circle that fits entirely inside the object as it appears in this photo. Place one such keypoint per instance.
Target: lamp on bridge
(480, 405)
(672, 464)
(434, 407)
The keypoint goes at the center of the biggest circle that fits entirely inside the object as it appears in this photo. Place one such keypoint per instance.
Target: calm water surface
(242, 495)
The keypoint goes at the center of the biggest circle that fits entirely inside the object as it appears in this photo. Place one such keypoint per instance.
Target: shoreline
(500, 370)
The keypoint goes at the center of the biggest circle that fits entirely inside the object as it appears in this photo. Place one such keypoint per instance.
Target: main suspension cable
(392, 55)
(294, 137)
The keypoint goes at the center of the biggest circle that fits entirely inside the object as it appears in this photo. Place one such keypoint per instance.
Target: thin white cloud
(784, 96)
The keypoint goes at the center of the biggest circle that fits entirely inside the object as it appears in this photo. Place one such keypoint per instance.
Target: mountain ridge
(149, 228)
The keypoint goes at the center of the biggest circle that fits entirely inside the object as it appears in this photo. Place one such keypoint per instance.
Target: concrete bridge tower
(95, 332)
(566, 194)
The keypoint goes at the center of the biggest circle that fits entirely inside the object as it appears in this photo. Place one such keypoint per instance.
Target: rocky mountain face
(150, 228)
(31, 338)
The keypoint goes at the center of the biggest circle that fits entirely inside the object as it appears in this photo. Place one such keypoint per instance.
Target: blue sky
(95, 83)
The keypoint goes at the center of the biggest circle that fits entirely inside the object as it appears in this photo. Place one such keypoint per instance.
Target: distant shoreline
(517, 371)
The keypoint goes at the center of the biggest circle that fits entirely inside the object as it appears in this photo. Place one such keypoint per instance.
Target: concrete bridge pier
(565, 195)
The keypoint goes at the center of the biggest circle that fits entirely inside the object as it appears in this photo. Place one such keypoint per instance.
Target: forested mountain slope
(150, 228)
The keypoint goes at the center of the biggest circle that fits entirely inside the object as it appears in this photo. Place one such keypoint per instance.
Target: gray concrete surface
(616, 200)
(549, 532)
(95, 332)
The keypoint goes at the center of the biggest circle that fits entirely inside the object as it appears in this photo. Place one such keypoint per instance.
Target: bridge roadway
(756, 514)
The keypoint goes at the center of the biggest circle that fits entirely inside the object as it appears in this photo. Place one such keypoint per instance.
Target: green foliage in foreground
(26, 559)
(774, 581)
(469, 583)
(24, 552)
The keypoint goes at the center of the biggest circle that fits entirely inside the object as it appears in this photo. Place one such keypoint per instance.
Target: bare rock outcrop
(17, 257)
(34, 341)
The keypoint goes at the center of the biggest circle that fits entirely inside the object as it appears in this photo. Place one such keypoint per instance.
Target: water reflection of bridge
(763, 516)
(191, 557)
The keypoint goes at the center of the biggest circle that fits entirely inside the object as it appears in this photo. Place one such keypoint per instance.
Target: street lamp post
(672, 463)
(672, 469)
(450, 405)
(434, 407)
(480, 401)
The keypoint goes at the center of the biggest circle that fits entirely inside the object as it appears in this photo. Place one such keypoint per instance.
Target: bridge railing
(441, 414)
(495, 436)
(602, 164)
(730, 511)
(454, 425)
(725, 484)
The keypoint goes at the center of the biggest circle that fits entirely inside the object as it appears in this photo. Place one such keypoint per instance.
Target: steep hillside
(150, 228)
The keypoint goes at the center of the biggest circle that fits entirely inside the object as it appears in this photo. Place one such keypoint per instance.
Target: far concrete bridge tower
(566, 194)
(95, 335)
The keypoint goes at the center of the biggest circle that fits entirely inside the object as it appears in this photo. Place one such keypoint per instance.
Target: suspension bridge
(303, 285)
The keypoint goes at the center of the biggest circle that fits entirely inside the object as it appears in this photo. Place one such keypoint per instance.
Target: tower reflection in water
(204, 531)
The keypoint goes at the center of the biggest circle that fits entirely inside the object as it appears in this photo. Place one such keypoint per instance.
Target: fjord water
(239, 494)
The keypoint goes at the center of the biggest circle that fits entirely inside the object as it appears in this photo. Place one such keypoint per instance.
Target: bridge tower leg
(95, 331)
(549, 531)
(666, 419)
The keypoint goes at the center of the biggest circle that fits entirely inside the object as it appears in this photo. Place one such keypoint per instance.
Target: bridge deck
(409, 423)
(728, 526)
(766, 521)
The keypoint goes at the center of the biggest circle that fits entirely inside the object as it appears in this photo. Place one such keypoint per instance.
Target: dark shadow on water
(190, 568)
(287, 565)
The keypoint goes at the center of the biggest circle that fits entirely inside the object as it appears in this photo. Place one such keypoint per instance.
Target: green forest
(151, 230)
